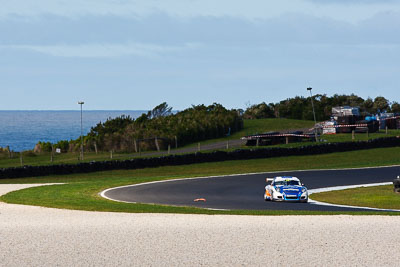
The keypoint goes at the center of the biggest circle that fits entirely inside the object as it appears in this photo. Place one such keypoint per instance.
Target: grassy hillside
(262, 126)
(266, 125)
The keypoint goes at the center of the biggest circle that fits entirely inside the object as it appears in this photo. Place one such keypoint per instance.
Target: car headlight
(303, 189)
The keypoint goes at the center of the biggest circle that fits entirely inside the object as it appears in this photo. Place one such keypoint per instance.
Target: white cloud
(109, 36)
(250, 9)
(103, 50)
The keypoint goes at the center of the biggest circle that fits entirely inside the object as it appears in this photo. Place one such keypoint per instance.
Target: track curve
(245, 192)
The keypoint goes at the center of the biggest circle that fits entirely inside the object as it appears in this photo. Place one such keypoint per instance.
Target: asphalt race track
(246, 192)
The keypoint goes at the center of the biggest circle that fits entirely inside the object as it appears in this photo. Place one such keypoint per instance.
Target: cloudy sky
(135, 54)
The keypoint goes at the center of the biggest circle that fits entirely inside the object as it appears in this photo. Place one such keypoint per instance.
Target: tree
(300, 108)
(260, 111)
(381, 104)
(161, 110)
(354, 101)
(395, 108)
(368, 106)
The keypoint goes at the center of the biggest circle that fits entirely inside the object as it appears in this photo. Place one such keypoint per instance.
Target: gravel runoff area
(35, 236)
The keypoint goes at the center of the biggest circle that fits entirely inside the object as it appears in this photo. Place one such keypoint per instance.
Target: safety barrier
(174, 160)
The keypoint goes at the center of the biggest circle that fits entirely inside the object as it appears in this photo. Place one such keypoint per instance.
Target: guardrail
(252, 137)
(345, 125)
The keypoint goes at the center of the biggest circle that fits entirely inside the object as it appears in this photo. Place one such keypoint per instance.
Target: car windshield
(290, 182)
(293, 182)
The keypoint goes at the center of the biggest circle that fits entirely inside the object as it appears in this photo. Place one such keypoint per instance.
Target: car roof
(286, 178)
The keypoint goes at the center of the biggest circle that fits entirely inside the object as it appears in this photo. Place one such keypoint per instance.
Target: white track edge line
(102, 193)
(314, 202)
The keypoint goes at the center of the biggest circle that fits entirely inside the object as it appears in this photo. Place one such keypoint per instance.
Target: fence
(174, 160)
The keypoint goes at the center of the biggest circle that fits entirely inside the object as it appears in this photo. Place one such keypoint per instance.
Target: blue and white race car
(285, 188)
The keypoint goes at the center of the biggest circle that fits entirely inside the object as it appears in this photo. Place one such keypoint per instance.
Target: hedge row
(173, 160)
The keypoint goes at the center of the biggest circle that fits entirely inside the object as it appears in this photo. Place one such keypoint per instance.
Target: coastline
(23, 129)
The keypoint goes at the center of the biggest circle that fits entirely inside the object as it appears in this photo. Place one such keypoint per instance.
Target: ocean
(22, 130)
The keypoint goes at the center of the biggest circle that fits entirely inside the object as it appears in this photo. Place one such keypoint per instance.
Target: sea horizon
(73, 110)
(21, 130)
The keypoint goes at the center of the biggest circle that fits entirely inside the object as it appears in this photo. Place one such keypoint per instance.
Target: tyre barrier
(396, 185)
(198, 157)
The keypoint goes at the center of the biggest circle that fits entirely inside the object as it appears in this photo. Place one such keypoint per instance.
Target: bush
(45, 146)
(191, 125)
(63, 145)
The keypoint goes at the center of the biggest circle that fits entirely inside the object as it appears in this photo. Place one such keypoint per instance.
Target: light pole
(81, 103)
(315, 120)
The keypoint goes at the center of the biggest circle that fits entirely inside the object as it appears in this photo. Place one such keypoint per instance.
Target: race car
(285, 188)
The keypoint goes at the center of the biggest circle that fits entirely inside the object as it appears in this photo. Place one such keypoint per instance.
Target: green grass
(267, 125)
(81, 190)
(381, 197)
(63, 158)
(359, 136)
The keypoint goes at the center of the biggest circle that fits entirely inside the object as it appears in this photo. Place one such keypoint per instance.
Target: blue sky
(128, 54)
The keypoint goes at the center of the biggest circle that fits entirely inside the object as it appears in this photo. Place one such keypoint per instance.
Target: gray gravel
(34, 236)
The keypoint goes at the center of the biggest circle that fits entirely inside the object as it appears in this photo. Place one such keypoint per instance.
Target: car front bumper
(295, 198)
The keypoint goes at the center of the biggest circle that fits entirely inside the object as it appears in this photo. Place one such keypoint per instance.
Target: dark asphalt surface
(246, 192)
